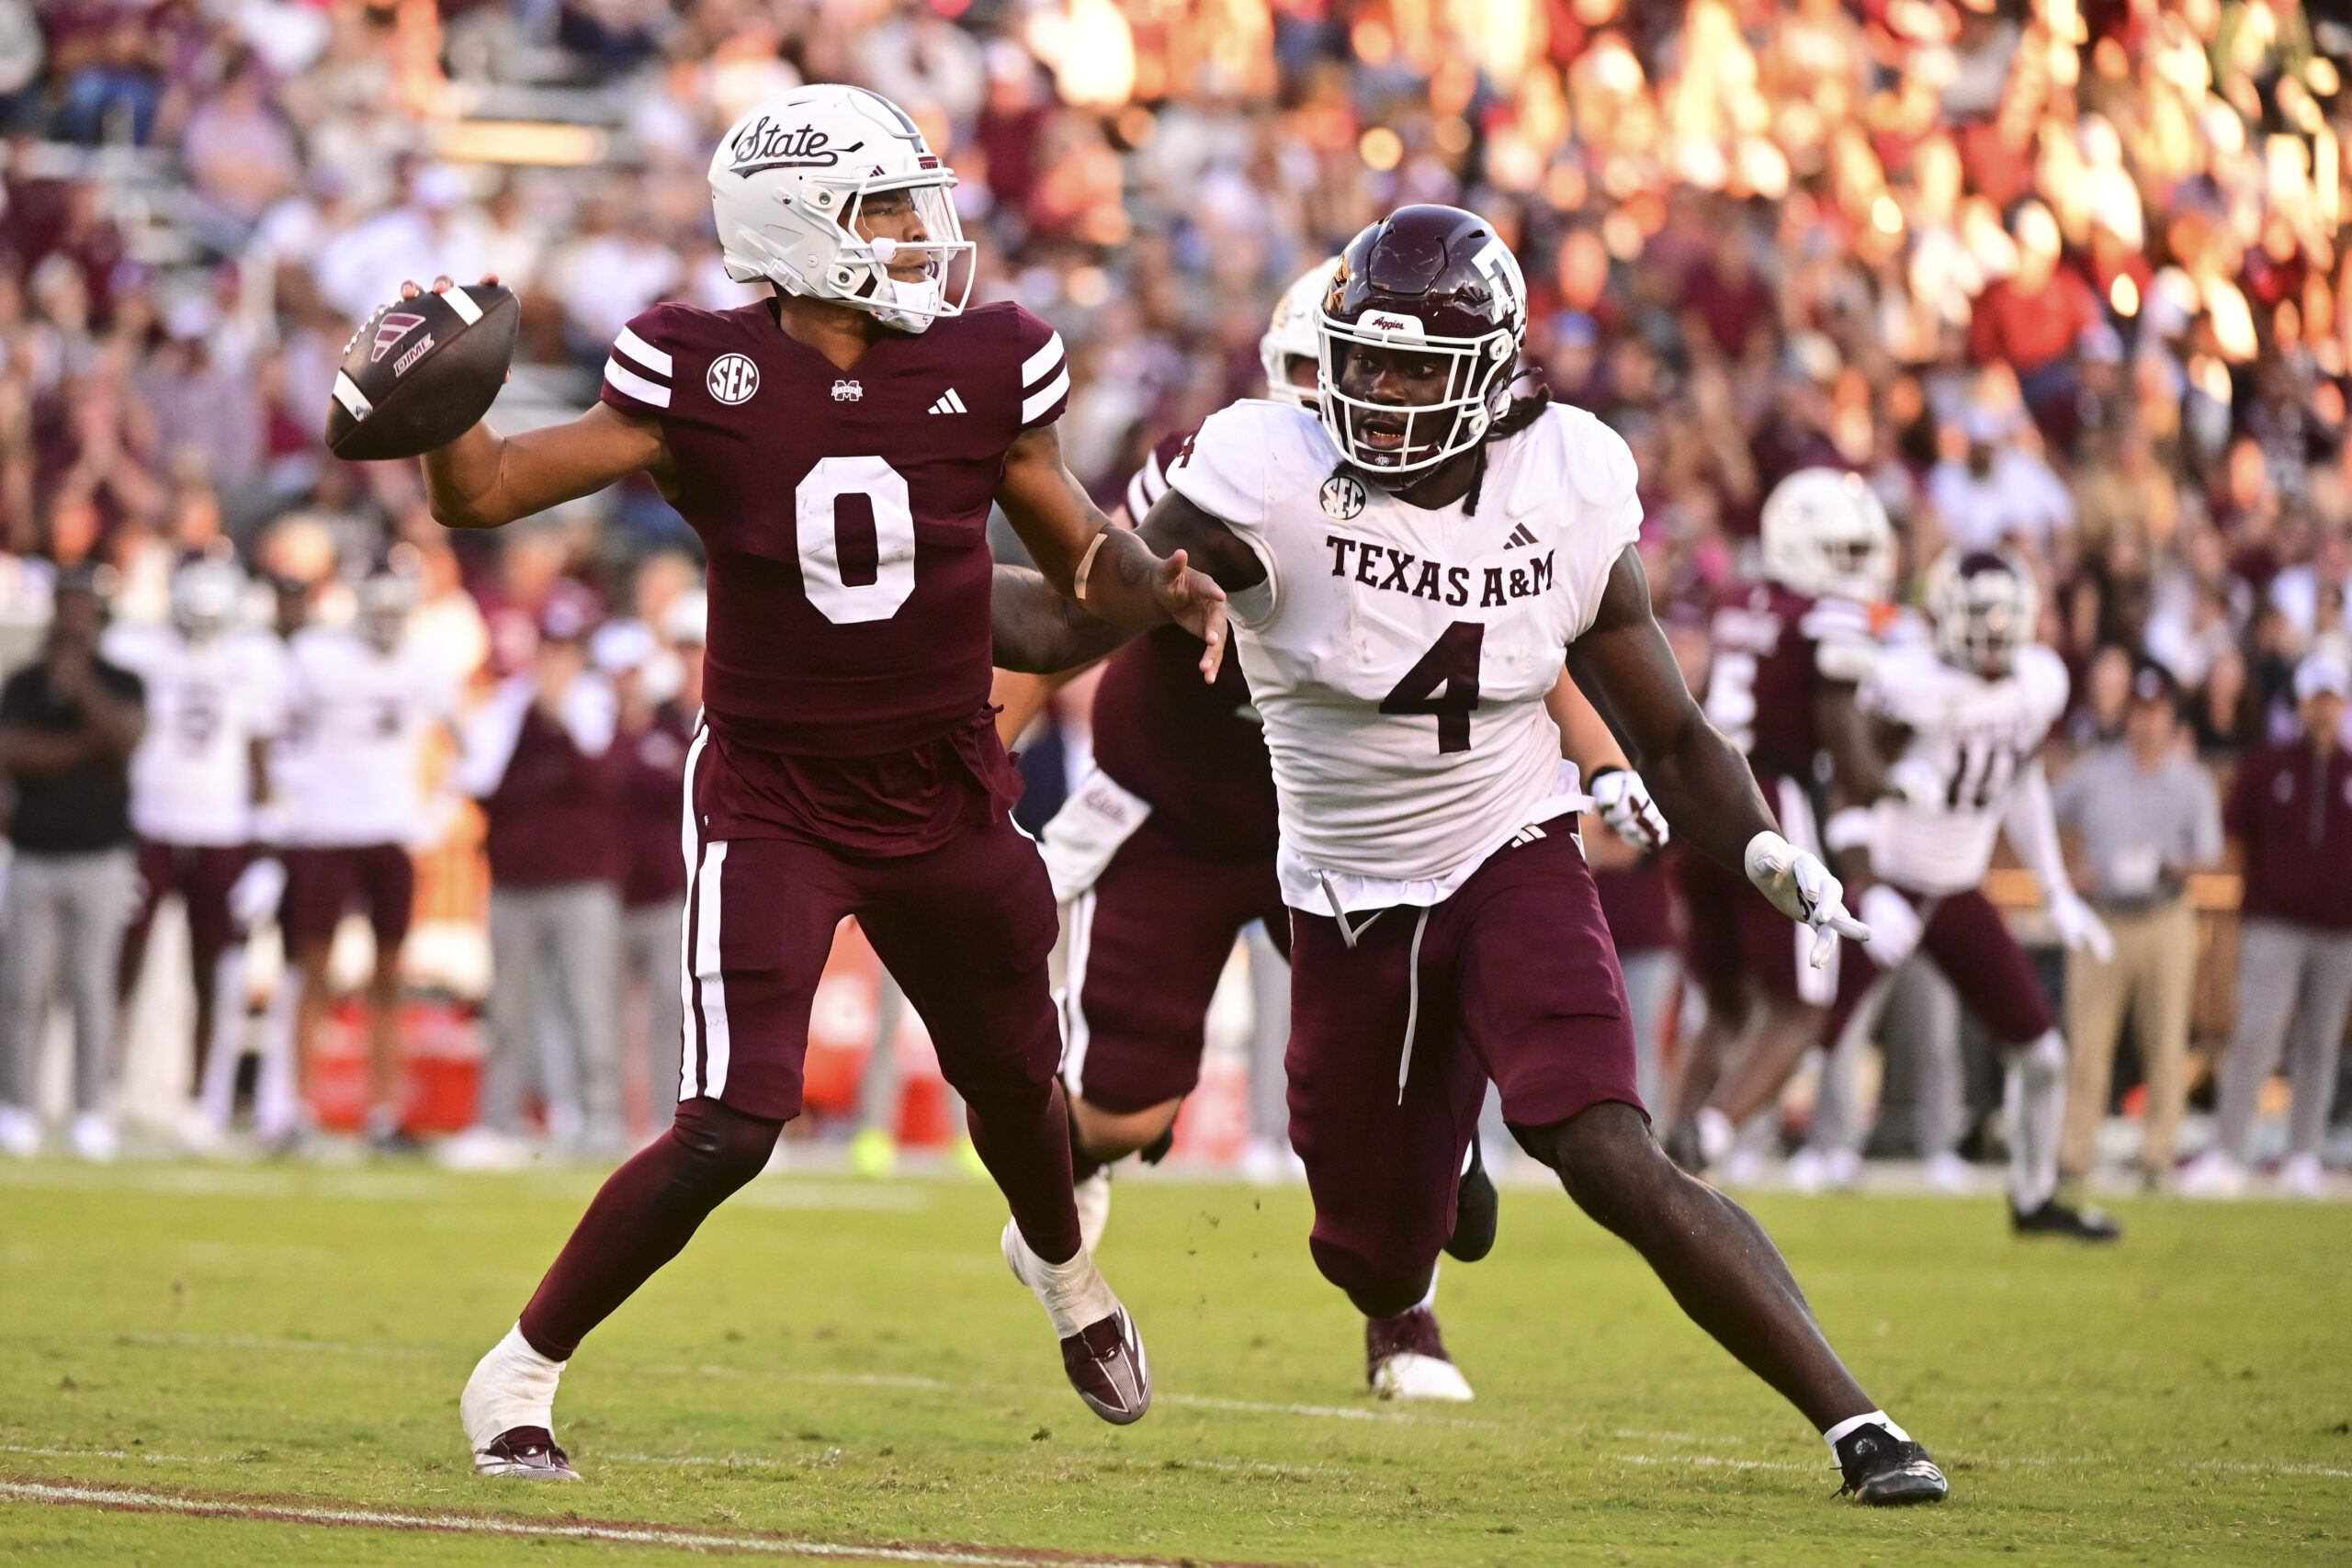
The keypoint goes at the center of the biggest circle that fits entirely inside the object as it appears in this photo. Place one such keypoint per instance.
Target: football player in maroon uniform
(1789, 653)
(838, 447)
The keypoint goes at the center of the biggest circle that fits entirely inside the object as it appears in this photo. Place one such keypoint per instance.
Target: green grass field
(850, 1363)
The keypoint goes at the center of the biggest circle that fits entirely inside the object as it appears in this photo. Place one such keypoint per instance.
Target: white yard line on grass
(618, 1532)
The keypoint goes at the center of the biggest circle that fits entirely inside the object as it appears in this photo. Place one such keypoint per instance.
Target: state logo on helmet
(1295, 332)
(1985, 608)
(793, 181)
(1826, 534)
(1436, 290)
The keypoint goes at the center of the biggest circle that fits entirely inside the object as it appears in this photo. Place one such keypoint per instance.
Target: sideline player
(367, 701)
(1165, 854)
(838, 447)
(1409, 574)
(1789, 653)
(216, 696)
(1965, 719)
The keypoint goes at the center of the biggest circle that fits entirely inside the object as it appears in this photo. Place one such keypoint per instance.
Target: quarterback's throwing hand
(1802, 888)
(1195, 603)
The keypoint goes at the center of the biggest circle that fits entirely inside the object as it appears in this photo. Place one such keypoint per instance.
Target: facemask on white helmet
(1295, 334)
(803, 182)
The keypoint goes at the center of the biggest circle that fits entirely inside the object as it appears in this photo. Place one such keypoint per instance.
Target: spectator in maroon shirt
(2031, 321)
(1727, 301)
(2292, 810)
(538, 757)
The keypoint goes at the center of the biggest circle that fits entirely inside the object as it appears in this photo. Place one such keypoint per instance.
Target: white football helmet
(1293, 334)
(1826, 534)
(1985, 608)
(205, 596)
(790, 181)
(387, 598)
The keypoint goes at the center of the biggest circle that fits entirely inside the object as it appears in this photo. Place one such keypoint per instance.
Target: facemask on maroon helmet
(1436, 289)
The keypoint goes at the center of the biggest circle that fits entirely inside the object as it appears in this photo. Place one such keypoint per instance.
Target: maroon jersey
(844, 513)
(651, 766)
(551, 820)
(1772, 648)
(1195, 751)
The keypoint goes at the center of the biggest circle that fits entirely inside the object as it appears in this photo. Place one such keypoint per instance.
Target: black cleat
(1886, 1472)
(1476, 1211)
(530, 1452)
(2055, 1218)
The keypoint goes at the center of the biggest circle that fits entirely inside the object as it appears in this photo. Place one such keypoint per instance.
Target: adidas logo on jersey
(949, 403)
(1519, 536)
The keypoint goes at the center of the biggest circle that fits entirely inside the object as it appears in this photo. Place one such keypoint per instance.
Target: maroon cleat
(1106, 1365)
(1404, 1357)
(530, 1452)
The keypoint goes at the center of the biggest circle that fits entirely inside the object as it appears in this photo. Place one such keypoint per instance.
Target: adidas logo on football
(949, 403)
(1519, 536)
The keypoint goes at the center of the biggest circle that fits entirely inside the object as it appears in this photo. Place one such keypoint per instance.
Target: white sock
(1428, 1298)
(1854, 1423)
(2034, 1099)
(1075, 1293)
(513, 1386)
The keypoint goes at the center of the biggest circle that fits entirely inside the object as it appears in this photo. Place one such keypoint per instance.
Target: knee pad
(721, 1148)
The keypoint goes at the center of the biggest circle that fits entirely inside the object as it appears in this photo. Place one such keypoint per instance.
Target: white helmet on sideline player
(205, 596)
(387, 597)
(1826, 534)
(1295, 333)
(790, 181)
(1985, 607)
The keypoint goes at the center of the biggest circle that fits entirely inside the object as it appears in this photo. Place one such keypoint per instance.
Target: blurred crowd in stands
(2063, 275)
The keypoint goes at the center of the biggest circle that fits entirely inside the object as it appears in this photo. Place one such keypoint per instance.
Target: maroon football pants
(203, 875)
(1148, 943)
(1966, 937)
(1517, 981)
(966, 930)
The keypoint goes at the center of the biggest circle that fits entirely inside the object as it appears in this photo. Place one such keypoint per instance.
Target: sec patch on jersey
(420, 373)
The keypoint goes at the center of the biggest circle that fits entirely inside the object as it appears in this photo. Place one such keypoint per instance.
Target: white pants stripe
(690, 851)
(709, 981)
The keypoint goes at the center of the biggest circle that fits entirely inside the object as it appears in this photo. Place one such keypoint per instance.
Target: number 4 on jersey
(1451, 662)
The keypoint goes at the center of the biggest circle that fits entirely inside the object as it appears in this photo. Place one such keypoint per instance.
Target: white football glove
(1894, 925)
(2079, 926)
(1625, 803)
(1918, 781)
(1802, 888)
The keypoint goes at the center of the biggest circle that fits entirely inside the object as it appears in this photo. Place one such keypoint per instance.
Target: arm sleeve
(1223, 471)
(1044, 371)
(639, 371)
(2032, 829)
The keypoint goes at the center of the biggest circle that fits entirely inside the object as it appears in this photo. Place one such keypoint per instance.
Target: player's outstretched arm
(1107, 568)
(1038, 632)
(483, 480)
(1625, 665)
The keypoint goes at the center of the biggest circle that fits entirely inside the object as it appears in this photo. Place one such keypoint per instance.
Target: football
(421, 372)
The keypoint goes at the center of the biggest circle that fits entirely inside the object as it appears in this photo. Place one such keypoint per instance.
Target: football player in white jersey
(366, 702)
(215, 696)
(1407, 573)
(1965, 715)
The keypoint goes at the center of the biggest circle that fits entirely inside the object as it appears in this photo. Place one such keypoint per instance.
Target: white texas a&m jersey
(1400, 657)
(354, 753)
(208, 701)
(1970, 738)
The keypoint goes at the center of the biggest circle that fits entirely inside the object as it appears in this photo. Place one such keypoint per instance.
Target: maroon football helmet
(1434, 280)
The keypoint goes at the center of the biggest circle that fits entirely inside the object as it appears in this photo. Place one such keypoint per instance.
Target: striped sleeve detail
(1045, 383)
(637, 375)
(1147, 487)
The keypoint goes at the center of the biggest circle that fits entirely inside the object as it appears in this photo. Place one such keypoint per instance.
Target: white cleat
(95, 1139)
(2212, 1174)
(1270, 1162)
(2301, 1177)
(1716, 1135)
(1101, 1352)
(1741, 1168)
(1808, 1171)
(1093, 1196)
(1405, 1359)
(508, 1412)
(20, 1133)
(1947, 1173)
